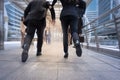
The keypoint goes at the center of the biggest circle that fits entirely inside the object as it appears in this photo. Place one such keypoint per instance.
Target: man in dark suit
(35, 13)
(69, 17)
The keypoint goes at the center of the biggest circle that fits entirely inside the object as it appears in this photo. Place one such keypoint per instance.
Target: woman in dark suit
(81, 7)
(35, 14)
(69, 17)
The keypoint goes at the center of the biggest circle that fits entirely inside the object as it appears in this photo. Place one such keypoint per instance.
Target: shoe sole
(24, 56)
(66, 56)
(38, 54)
(78, 51)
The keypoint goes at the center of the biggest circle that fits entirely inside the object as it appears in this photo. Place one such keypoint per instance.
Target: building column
(1, 24)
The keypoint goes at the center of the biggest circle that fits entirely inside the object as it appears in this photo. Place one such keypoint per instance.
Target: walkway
(52, 66)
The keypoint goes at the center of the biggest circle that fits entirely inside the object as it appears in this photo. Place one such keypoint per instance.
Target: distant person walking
(48, 36)
(35, 19)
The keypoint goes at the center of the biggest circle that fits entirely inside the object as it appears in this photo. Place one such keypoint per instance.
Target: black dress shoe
(38, 54)
(78, 49)
(24, 55)
(66, 55)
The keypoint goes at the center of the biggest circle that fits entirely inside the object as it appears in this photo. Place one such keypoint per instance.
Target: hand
(50, 7)
(53, 22)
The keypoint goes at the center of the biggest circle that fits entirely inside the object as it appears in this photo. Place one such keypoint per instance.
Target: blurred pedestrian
(81, 7)
(48, 35)
(35, 20)
(69, 17)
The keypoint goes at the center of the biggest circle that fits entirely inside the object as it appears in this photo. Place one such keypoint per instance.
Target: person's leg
(40, 32)
(27, 41)
(39, 41)
(64, 24)
(80, 24)
(74, 31)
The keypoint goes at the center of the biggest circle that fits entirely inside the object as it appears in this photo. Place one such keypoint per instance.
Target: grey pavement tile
(30, 71)
(8, 67)
(38, 74)
(87, 75)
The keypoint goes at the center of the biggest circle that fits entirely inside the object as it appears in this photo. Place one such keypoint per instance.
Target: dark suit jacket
(32, 13)
(68, 9)
(81, 7)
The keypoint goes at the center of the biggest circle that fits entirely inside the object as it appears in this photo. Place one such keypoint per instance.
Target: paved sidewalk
(52, 66)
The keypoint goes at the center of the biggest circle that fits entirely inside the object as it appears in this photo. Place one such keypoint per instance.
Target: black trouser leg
(40, 31)
(29, 36)
(26, 47)
(65, 42)
(27, 42)
(65, 34)
(75, 37)
(40, 39)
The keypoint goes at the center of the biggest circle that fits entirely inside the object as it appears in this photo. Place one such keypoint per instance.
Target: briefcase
(81, 38)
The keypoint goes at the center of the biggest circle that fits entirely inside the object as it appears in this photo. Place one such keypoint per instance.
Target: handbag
(81, 38)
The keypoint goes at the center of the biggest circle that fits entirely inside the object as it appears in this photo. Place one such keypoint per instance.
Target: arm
(53, 3)
(27, 10)
(52, 11)
(82, 5)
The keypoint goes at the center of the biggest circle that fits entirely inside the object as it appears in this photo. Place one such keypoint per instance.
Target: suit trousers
(66, 22)
(37, 26)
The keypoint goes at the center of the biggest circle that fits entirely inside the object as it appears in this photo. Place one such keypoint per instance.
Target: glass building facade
(92, 11)
(116, 3)
(12, 15)
(92, 14)
(104, 6)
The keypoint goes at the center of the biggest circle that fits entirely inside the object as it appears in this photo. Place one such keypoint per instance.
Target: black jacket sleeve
(82, 5)
(27, 10)
(53, 3)
(52, 11)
